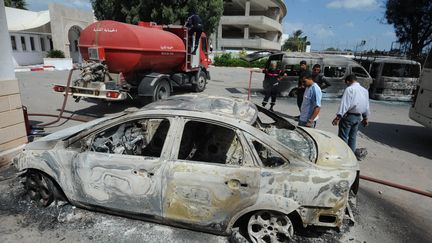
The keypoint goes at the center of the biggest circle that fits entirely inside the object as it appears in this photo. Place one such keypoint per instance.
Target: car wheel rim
(38, 189)
(270, 227)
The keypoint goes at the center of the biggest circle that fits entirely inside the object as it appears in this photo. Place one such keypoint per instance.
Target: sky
(340, 24)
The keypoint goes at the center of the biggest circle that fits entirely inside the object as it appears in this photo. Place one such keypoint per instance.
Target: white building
(32, 34)
(250, 25)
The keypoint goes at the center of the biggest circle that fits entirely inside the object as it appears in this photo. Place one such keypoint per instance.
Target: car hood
(48, 142)
(332, 151)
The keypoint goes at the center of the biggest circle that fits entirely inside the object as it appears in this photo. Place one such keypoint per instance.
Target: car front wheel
(40, 188)
(267, 226)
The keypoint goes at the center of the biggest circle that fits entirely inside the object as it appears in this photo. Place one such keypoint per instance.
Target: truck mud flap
(149, 82)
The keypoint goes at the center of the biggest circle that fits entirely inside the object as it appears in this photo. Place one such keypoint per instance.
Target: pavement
(398, 151)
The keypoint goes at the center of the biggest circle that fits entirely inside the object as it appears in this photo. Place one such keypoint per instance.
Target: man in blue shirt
(311, 104)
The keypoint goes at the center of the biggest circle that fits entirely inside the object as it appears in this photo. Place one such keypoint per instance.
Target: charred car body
(334, 68)
(202, 162)
(393, 78)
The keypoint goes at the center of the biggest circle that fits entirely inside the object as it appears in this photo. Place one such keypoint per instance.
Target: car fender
(269, 202)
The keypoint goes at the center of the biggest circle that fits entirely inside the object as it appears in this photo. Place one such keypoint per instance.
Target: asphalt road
(398, 150)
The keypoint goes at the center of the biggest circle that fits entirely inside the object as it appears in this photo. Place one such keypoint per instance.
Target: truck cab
(421, 109)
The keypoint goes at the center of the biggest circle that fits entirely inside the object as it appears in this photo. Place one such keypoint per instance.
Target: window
(334, 72)
(144, 137)
(51, 44)
(23, 43)
(76, 45)
(359, 72)
(32, 45)
(374, 72)
(204, 44)
(213, 144)
(42, 43)
(268, 156)
(401, 70)
(13, 42)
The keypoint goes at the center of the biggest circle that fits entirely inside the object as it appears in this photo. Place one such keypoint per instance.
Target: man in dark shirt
(300, 87)
(319, 78)
(271, 84)
(195, 25)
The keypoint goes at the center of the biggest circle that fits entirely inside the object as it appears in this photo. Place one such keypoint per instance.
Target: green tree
(161, 11)
(16, 4)
(296, 42)
(332, 49)
(412, 22)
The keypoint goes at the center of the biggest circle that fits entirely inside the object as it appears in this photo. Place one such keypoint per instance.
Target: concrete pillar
(246, 32)
(219, 37)
(247, 8)
(12, 128)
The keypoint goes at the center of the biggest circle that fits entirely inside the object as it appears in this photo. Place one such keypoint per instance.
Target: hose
(394, 185)
(60, 115)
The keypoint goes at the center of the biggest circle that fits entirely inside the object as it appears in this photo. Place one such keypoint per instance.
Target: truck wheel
(201, 83)
(162, 90)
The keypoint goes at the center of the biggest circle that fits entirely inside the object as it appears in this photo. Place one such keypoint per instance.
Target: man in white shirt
(353, 110)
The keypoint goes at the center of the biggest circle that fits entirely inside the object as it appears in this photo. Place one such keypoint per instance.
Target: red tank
(134, 48)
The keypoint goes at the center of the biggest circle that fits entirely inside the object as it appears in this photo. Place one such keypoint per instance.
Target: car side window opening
(359, 72)
(334, 71)
(375, 70)
(268, 156)
(144, 137)
(210, 143)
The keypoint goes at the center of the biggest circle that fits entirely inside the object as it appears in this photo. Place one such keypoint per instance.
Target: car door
(210, 178)
(335, 74)
(362, 75)
(121, 166)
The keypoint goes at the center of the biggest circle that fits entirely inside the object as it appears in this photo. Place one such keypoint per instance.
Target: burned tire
(41, 189)
(162, 90)
(200, 83)
(268, 226)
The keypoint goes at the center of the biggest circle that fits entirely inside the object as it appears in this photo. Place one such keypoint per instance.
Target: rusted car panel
(206, 180)
(394, 79)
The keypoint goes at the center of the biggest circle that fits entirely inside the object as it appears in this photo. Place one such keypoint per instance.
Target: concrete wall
(258, 22)
(62, 20)
(29, 56)
(12, 128)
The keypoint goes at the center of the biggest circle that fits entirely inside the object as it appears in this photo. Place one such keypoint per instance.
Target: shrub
(55, 54)
(227, 60)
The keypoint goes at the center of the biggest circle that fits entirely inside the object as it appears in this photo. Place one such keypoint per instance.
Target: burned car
(200, 162)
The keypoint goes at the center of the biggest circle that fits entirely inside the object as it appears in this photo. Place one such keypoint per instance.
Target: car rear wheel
(267, 226)
(40, 188)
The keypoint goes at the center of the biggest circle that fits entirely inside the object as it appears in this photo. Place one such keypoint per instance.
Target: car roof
(235, 108)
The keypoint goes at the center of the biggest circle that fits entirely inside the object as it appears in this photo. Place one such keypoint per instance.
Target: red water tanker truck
(149, 59)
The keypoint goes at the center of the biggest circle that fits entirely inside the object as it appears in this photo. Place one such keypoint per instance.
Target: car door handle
(142, 172)
(234, 183)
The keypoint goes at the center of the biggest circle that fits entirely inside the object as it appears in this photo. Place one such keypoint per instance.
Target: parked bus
(421, 109)
(393, 78)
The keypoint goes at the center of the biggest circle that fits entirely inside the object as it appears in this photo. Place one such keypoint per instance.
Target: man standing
(195, 25)
(319, 78)
(300, 86)
(271, 84)
(353, 110)
(311, 104)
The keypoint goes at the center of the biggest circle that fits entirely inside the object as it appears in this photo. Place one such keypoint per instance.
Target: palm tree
(296, 42)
